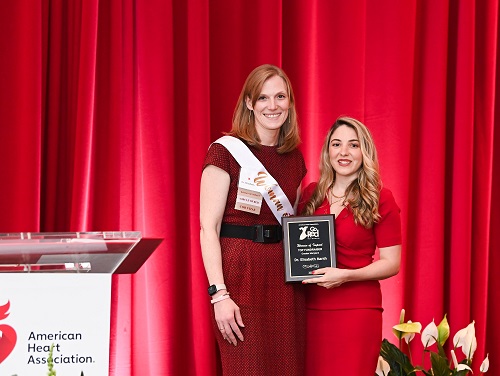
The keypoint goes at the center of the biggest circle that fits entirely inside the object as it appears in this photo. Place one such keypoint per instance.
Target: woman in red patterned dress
(259, 319)
(344, 304)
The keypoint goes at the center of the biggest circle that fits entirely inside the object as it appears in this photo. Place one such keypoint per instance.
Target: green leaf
(399, 362)
(425, 372)
(439, 365)
(441, 351)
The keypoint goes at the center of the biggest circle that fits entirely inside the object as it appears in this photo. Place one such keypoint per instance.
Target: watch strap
(214, 288)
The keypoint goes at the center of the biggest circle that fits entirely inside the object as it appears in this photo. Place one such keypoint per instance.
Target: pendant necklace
(339, 198)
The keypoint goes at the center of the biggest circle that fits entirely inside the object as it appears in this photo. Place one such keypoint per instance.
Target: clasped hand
(330, 278)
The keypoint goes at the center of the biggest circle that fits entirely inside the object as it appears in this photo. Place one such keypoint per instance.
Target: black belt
(256, 233)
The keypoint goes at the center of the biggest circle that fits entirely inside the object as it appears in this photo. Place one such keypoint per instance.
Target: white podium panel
(55, 290)
(68, 310)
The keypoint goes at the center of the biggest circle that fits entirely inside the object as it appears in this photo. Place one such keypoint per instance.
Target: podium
(55, 298)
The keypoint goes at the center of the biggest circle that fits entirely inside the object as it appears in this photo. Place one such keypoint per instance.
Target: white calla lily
(462, 367)
(473, 347)
(408, 328)
(466, 339)
(458, 338)
(458, 367)
(408, 336)
(485, 365)
(402, 316)
(429, 334)
(454, 358)
(398, 333)
(383, 367)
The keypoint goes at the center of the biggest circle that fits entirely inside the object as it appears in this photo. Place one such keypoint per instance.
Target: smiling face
(271, 108)
(345, 153)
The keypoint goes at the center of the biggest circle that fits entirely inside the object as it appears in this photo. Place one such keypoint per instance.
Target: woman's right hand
(229, 321)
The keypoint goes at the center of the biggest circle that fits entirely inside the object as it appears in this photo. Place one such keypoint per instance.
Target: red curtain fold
(107, 110)
(21, 115)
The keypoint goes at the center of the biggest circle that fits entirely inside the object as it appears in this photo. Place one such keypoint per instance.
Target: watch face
(212, 290)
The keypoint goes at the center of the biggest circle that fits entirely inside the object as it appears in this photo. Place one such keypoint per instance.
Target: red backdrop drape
(107, 109)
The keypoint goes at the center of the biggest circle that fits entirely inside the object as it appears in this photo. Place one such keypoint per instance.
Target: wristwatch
(214, 288)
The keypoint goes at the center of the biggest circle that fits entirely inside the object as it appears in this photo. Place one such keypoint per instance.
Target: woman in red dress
(259, 319)
(344, 304)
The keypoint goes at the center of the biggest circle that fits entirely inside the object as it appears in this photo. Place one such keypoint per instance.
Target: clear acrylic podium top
(117, 252)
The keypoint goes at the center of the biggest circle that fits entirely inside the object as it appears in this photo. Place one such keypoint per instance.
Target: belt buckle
(266, 234)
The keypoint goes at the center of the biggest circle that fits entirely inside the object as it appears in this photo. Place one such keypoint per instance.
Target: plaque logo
(309, 232)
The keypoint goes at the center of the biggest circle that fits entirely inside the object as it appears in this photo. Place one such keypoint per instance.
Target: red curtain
(107, 109)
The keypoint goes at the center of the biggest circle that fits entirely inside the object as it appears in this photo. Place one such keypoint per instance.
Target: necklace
(334, 202)
(336, 196)
(339, 198)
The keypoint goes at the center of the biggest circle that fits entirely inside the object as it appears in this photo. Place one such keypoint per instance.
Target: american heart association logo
(8, 336)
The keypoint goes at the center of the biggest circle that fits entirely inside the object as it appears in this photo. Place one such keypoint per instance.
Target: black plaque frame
(309, 244)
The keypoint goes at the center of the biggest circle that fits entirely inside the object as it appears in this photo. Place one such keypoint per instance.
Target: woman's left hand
(332, 277)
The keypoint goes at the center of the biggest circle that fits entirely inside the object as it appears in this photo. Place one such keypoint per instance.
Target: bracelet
(220, 298)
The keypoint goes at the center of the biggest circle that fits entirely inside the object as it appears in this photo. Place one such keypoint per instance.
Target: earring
(249, 116)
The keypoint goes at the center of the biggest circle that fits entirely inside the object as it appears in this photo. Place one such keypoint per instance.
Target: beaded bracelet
(220, 298)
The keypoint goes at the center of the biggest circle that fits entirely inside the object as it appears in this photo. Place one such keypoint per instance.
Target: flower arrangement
(394, 362)
(50, 363)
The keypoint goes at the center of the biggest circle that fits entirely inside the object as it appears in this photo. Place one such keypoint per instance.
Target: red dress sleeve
(305, 196)
(388, 229)
(219, 156)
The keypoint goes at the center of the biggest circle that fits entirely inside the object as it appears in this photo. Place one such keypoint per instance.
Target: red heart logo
(8, 336)
(4, 310)
(8, 339)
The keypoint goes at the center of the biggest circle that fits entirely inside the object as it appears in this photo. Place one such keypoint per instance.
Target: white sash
(264, 182)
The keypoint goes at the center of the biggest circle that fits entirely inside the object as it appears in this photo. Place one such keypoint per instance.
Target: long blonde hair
(244, 122)
(363, 193)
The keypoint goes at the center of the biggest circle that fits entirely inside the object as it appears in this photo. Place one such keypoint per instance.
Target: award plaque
(309, 244)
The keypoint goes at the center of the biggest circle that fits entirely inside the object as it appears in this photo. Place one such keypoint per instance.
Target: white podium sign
(69, 311)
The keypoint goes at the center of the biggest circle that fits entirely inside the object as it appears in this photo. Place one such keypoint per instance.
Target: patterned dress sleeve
(218, 156)
(303, 165)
